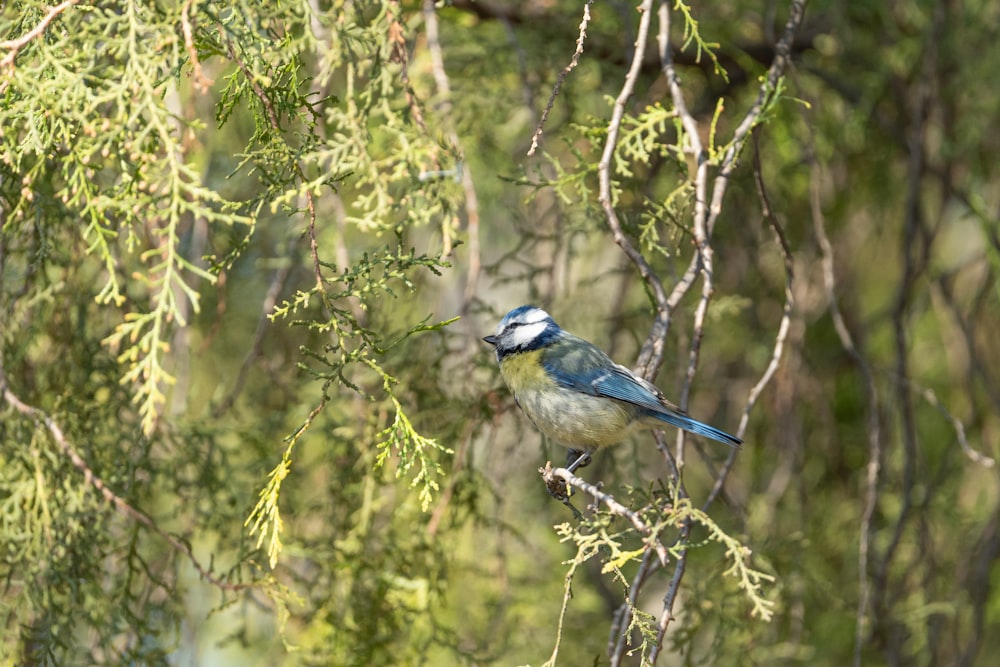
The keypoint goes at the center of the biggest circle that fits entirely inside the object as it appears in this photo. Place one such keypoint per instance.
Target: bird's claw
(557, 488)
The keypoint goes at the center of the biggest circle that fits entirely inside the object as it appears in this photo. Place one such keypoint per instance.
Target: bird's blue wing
(575, 364)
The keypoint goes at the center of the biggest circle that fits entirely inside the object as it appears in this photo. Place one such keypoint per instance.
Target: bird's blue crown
(524, 329)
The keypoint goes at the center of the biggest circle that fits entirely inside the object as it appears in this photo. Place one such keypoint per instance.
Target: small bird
(574, 393)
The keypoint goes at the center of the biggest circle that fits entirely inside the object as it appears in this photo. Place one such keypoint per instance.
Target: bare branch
(782, 58)
(704, 223)
(692, 144)
(562, 77)
(915, 250)
(274, 290)
(956, 423)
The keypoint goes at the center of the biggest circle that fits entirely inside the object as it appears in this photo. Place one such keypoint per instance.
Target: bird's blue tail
(697, 427)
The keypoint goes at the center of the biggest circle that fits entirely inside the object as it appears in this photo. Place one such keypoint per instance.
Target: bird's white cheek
(526, 333)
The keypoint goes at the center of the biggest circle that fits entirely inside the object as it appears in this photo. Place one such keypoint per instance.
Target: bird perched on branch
(574, 393)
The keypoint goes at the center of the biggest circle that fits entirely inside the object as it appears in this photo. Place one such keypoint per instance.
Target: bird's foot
(557, 488)
(576, 458)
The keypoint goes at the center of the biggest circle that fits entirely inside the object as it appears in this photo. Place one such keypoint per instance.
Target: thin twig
(527, 90)
(930, 396)
(680, 564)
(692, 144)
(652, 353)
(15, 45)
(667, 615)
(783, 326)
(274, 290)
(272, 116)
(454, 479)
(873, 468)
(399, 55)
(562, 77)
(691, 139)
(956, 423)
(915, 248)
(201, 82)
(120, 504)
(782, 58)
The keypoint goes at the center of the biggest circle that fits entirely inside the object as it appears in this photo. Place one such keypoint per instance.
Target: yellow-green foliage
(248, 251)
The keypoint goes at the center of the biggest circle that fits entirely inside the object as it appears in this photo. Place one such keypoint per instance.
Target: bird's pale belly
(574, 419)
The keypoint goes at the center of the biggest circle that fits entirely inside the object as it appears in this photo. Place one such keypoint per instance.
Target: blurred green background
(234, 242)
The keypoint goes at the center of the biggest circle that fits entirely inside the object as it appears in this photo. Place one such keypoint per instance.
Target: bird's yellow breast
(571, 418)
(525, 371)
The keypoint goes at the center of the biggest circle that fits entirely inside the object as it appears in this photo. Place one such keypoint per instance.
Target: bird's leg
(576, 458)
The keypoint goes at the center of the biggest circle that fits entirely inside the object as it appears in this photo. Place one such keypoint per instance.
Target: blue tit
(574, 393)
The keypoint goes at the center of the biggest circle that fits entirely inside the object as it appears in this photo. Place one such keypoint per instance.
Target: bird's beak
(492, 340)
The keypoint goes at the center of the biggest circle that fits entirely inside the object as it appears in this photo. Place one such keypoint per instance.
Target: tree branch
(15, 45)
(562, 77)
